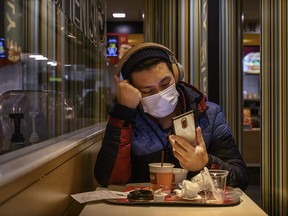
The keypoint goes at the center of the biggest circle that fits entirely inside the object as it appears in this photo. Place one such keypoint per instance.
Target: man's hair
(148, 64)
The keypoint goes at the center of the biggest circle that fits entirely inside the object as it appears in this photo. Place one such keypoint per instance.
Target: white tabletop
(246, 207)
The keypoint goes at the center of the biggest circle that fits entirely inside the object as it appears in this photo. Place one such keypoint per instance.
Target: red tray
(174, 200)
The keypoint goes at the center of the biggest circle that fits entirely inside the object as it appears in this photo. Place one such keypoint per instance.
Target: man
(149, 94)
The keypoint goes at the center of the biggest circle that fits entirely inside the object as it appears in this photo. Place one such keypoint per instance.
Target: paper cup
(161, 176)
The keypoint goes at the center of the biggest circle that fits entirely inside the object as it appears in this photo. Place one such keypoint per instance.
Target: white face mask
(161, 104)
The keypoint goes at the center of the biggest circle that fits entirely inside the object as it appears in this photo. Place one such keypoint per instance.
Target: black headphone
(177, 68)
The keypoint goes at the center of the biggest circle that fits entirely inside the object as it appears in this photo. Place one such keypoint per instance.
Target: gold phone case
(184, 126)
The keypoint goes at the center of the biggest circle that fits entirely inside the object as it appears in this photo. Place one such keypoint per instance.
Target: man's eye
(147, 92)
(165, 84)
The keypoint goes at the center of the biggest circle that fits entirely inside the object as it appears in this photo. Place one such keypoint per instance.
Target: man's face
(152, 81)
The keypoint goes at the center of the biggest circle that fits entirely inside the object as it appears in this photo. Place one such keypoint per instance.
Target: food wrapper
(203, 183)
(188, 190)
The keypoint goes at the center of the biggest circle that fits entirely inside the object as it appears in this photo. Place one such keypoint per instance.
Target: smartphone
(184, 126)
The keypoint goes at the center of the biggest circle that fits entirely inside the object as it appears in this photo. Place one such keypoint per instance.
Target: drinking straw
(162, 158)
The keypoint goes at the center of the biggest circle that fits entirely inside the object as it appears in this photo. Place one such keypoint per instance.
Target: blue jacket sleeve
(222, 149)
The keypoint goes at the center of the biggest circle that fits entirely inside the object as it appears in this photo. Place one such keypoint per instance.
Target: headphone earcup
(181, 72)
(178, 72)
(175, 72)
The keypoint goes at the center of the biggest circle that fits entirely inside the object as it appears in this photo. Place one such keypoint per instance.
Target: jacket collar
(192, 99)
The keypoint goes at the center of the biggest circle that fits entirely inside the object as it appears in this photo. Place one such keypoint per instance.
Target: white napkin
(188, 190)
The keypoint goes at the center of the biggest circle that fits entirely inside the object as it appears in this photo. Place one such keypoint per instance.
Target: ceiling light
(119, 15)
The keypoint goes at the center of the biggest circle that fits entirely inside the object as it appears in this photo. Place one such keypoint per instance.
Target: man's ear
(178, 71)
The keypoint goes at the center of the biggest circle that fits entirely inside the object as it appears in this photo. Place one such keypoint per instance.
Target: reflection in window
(52, 70)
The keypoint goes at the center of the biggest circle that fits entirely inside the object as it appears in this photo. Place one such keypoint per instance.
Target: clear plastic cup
(179, 175)
(216, 191)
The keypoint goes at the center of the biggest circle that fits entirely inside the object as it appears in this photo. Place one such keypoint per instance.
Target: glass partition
(251, 146)
(52, 69)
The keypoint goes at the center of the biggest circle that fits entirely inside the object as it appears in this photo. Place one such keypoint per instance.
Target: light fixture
(52, 63)
(38, 57)
(35, 56)
(41, 58)
(119, 15)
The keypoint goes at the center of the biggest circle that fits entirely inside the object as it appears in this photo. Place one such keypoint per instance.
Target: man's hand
(192, 158)
(126, 94)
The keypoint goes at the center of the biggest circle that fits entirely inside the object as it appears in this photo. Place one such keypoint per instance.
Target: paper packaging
(98, 195)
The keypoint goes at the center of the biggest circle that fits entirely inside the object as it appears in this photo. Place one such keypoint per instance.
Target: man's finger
(181, 142)
(199, 137)
(116, 79)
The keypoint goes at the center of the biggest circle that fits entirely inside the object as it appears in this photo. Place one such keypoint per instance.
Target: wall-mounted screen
(2, 48)
(112, 46)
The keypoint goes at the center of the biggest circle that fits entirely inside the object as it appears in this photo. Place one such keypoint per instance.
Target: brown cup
(161, 176)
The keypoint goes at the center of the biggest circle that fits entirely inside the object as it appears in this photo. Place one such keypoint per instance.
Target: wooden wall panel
(47, 190)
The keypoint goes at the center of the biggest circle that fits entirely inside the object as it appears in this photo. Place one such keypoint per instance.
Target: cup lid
(159, 165)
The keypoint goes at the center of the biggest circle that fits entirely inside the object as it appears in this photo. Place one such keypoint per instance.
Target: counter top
(246, 207)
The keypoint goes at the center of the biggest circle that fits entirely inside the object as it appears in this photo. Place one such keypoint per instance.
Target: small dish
(159, 197)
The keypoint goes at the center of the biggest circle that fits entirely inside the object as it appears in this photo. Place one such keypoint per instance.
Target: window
(52, 69)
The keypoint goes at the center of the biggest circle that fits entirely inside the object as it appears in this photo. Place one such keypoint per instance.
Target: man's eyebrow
(145, 87)
(163, 80)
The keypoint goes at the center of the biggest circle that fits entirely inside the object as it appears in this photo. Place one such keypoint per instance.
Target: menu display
(2, 48)
(112, 46)
(251, 59)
